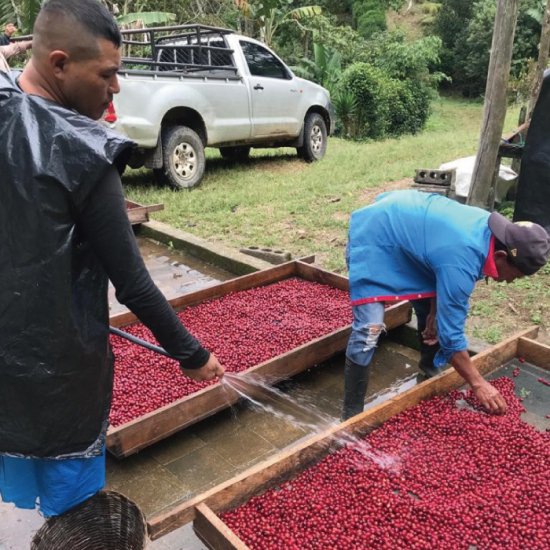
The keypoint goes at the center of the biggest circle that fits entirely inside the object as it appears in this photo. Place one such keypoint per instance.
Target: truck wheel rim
(316, 139)
(185, 161)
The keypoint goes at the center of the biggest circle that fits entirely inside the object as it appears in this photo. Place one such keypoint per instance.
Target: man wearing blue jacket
(410, 245)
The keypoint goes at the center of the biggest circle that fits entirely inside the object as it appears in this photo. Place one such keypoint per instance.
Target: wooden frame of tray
(137, 213)
(141, 432)
(286, 464)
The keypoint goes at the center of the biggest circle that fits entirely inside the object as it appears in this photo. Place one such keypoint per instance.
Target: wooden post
(516, 162)
(494, 111)
(542, 62)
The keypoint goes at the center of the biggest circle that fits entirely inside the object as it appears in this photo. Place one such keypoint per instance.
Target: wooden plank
(518, 134)
(319, 275)
(214, 533)
(482, 187)
(307, 259)
(150, 428)
(286, 464)
(534, 352)
(138, 213)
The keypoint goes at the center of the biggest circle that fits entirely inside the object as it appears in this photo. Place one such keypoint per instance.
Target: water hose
(140, 342)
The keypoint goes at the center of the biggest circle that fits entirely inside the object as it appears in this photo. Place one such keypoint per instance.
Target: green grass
(276, 200)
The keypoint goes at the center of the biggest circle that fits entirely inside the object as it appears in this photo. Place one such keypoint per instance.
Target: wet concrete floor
(174, 272)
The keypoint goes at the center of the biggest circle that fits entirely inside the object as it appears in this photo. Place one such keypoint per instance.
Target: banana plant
(146, 18)
(271, 14)
(23, 13)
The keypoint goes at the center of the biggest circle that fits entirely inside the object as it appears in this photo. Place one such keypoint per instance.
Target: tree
(542, 61)
(21, 12)
(466, 30)
(271, 14)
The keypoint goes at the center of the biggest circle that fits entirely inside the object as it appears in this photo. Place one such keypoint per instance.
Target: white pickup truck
(194, 86)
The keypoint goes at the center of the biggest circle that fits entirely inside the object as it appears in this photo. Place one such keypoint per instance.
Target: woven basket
(107, 521)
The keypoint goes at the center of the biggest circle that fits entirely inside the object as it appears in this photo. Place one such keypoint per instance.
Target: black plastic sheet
(56, 368)
(533, 194)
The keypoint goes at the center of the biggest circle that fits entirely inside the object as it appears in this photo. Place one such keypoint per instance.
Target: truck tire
(315, 138)
(235, 153)
(183, 160)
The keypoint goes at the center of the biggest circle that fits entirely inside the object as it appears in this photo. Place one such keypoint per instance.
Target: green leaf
(305, 11)
(147, 18)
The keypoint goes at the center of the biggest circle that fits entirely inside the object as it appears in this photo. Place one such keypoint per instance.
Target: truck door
(275, 94)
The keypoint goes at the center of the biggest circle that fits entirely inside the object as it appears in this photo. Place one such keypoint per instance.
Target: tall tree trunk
(494, 111)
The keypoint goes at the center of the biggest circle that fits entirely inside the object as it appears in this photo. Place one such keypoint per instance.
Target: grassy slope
(277, 200)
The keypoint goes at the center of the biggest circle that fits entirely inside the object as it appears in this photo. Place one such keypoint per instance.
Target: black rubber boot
(356, 379)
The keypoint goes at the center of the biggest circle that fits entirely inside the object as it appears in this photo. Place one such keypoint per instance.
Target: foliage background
(370, 54)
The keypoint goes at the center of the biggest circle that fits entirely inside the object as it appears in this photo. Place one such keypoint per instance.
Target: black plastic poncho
(533, 195)
(56, 368)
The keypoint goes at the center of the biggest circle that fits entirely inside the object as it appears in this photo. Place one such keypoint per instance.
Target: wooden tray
(138, 213)
(141, 432)
(285, 465)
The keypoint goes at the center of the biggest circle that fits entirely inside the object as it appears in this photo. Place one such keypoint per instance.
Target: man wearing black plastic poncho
(64, 233)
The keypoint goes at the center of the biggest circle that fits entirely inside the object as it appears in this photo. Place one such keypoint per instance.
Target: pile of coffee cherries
(459, 479)
(242, 329)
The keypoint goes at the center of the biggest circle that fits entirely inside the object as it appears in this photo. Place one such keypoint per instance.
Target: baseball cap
(527, 243)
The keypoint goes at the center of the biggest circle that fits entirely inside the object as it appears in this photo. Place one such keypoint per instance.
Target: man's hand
(490, 397)
(429, 334)
(212, 369)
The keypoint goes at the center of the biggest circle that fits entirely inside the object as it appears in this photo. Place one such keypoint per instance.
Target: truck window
(262, 62)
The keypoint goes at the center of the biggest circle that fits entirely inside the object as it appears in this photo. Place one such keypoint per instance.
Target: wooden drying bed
(138, 213)
(141, 432)
(285, 465)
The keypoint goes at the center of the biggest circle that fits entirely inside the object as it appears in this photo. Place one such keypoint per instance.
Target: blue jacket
(410, 245)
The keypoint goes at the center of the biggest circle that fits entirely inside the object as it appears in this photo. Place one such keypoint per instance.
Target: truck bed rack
(179, 49)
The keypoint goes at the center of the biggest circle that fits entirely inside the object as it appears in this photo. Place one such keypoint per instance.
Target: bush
(409, 107)
(466, 29)
(371, 22)
(369, 16)
(370, 86)
(384, 106)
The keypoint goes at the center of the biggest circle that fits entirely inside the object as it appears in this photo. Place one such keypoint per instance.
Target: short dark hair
(91, 14)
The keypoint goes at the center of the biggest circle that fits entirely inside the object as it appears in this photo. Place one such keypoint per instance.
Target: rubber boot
(356, 379)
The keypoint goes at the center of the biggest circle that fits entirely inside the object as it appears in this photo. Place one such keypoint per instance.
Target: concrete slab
(216, 254)
(270, 427)
(173, 271)
(244, 447)
(200, 470)
(177, 446)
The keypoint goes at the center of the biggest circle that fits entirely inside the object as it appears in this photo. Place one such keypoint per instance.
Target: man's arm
(15, 48)
(454, 287)
(104, 222)
(429, 334)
